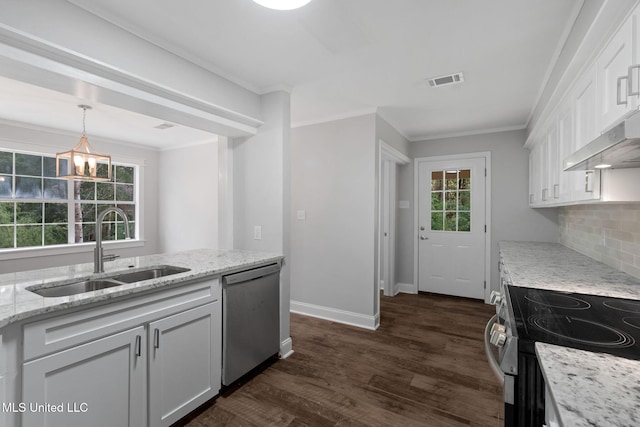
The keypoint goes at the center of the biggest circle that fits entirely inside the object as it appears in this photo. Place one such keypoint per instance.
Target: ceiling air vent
(164, 125)
(449, 79)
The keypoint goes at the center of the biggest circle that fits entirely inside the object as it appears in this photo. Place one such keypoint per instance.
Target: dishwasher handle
(245, 276)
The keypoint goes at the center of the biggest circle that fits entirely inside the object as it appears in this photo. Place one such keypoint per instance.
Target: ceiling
(341, 58)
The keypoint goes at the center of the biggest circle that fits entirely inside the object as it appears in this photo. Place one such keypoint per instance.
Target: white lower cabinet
(100, 383)
(184, 363)
(147, 361)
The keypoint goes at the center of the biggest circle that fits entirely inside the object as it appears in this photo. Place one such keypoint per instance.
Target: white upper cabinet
(613, 70)
(585, 99)
(606, 92)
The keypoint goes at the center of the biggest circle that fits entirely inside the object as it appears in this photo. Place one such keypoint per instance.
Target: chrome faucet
(98, 260)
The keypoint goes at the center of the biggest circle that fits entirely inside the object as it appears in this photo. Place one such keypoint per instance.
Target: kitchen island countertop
(18, 303)
(587, 388)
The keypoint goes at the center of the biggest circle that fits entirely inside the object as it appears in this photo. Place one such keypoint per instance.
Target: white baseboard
(335, 315)
(407, 288)
(286, 348)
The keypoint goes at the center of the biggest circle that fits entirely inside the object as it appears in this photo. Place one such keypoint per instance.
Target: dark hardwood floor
(424, 366)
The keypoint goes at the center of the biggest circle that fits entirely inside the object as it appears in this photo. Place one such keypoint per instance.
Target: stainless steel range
(525, 316)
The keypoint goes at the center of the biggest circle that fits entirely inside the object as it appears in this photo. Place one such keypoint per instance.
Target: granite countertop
(587, 389)
(17, 303)
(556, 267)
(591, 389)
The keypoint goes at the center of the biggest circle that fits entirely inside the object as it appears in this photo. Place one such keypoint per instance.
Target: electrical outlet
(257, 232)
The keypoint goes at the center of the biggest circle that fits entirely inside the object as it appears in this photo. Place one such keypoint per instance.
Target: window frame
(75, 248)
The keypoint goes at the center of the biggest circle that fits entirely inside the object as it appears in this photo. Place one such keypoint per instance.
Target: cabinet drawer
(60, 332)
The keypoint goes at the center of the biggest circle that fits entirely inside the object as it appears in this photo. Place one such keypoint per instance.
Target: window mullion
(71, 217)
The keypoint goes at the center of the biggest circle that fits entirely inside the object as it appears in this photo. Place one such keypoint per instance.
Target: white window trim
(76, 248)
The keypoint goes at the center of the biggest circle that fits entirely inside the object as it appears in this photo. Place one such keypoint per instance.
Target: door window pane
(451, 200)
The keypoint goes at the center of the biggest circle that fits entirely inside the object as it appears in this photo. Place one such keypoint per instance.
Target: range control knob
(497, 327)
(498, 338)
(495, 298)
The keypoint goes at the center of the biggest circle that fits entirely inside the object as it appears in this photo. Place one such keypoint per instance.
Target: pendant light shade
(282, 4)
(82, 162)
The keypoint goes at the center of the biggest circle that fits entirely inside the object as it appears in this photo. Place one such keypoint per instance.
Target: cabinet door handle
(588, 182)
(138, 345)
(156, 338)
(630, 90)
(556, 191)
(619, 100)
(545, 192)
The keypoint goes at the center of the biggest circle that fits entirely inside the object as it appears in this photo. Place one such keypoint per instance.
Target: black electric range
(587, 322)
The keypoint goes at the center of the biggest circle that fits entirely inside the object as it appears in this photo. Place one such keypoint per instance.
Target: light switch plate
(257, 232)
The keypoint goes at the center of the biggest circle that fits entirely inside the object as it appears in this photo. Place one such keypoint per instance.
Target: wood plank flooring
(424, 366)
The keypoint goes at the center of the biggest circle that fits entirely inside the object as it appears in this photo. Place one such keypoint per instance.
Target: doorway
(390, 159)
(452, 248)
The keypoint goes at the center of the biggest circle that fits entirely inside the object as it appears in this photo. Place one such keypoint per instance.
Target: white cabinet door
(101, 383)
(584, 104)
(567, 180)
(551, 168)
(185, 362)
(613, 63)
(535, 174)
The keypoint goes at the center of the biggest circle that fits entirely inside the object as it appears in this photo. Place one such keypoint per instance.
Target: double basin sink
(116, 279)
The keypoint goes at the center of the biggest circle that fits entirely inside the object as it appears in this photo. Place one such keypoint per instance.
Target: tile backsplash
(609, 233)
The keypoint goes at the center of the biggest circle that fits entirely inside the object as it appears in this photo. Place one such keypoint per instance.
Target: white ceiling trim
(468, 133)
(191, 144)
(327, 119)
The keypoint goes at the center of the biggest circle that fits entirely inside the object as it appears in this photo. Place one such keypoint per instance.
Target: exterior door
(452, 232)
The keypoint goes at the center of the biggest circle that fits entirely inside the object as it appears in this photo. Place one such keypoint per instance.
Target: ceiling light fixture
(82, 162)
(282, 4)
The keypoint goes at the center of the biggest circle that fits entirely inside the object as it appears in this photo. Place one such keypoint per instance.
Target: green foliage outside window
(34, 204)
(451, 200)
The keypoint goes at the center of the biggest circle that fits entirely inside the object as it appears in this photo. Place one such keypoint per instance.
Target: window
(451, 200)
(37, 209)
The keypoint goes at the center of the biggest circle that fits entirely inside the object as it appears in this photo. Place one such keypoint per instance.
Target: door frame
(389, 159)
(416, 212)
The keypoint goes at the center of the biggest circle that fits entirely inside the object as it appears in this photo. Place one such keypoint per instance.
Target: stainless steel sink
(76, 288)
(152, 273)
(117, 279)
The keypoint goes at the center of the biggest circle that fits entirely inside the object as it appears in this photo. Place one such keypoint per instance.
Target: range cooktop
(588, 322)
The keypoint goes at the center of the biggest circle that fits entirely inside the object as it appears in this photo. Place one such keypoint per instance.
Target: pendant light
(282, 4)
(82, 161)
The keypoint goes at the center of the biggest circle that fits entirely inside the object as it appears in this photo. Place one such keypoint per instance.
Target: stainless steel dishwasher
(251, 320)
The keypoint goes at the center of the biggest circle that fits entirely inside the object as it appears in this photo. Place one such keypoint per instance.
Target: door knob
(424, 238)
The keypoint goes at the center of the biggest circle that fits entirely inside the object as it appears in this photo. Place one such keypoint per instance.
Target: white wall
(512, 219)
(188, 205)
(261, 196)
(21, 137)
(332, 250)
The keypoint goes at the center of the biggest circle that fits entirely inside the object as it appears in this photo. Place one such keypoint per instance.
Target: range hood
(619, 147)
